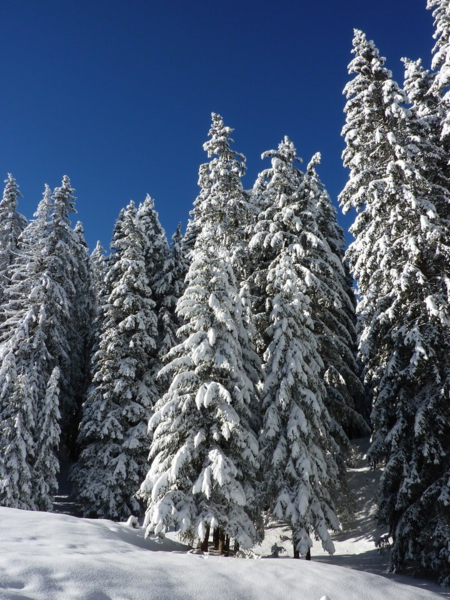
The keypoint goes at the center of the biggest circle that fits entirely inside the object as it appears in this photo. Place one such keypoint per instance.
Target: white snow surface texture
(45, 556)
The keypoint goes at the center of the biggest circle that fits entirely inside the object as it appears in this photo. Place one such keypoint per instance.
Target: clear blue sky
(117, 94)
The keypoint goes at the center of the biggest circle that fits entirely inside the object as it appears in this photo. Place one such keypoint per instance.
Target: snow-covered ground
(355, 544)
(46, 556)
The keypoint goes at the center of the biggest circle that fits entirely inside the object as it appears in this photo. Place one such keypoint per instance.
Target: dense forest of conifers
(222, 376)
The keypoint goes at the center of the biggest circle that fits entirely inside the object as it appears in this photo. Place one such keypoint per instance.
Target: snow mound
(45, 556)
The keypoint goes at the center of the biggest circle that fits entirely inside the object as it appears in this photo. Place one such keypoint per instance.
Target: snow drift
(46, 556)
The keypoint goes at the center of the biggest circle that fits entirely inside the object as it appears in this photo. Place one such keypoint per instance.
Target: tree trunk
(296, 553)
(236, 546)
(308, 554)
(227, 545)
(204, 544)
(216, 536)
(221, 542)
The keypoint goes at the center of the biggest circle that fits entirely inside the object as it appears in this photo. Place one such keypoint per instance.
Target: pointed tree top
(11, 191)
(358, 37)
(361, 43)
(415, 65)
(147, 213)
(99, 248)
(148, 202)
(64, 200)
(220, 140)
(366, 55)
(218, 126)
(131, 206)
(45, 205)
(10, 180)
(65, 190)
(286, 152)
(66, 183)
(12, 222)
(287, 147)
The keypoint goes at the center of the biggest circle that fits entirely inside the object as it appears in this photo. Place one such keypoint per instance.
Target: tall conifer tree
(67, 258)
(156, 257)
(47, 437)
(335, 321)
(297, 447)
(204, 452)
(401, 260)
(36, 307)
(17, 447)
(113, 433)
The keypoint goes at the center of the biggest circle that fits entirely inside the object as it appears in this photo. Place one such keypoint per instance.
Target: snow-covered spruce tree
(401, 260)
(222, 202)
(16, 438)
(297, 447)
(203, 449)
(113, 431)
(34, 304)
(204, 454)
(12, 223)
(47, 437)
(335, 320)
(67, 261)
(224, 206)
(374, 109)
(156, 257)
(158, 248)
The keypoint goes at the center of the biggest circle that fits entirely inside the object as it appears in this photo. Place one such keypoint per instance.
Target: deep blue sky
(118, 94)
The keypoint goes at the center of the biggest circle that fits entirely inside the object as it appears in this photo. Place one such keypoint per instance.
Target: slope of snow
(45, 556)
(355, 544)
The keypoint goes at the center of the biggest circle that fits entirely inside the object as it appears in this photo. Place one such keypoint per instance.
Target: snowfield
(46, 556)
(49, 556)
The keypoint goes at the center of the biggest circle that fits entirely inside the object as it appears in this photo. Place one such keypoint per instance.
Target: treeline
(235, 345)
(217, 379)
